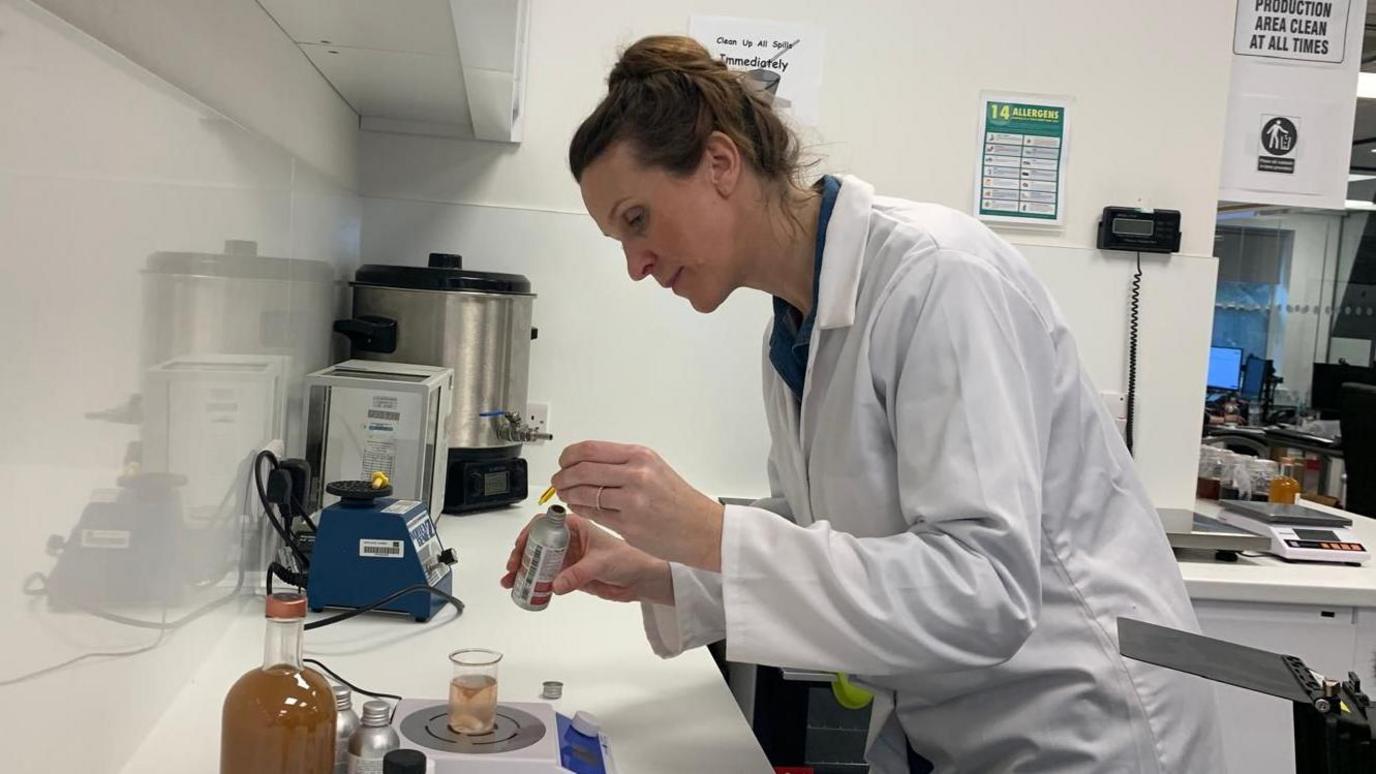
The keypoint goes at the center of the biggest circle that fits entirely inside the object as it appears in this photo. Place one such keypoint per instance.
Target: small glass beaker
(473, 690)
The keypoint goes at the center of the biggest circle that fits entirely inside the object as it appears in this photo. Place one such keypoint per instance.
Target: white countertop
(1269, 579)
(659, 716)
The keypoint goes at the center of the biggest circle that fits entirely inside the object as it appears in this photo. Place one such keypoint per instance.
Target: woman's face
(678, 229)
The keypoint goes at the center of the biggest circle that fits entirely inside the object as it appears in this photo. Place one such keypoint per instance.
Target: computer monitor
(1225, 368)
(1326, 387)
(1254, 377)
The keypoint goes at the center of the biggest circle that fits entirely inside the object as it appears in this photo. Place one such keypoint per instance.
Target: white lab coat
(962, 525)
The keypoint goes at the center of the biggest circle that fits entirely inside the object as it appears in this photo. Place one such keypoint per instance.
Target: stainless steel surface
(484, 337)
(512, 730)
(807, 675)
(1212, 535)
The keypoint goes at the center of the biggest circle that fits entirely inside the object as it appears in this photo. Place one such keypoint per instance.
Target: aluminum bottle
(546, 545)
(345, 723)
(373, 739)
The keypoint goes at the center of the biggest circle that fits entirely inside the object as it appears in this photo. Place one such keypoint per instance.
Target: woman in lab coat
(954, 519)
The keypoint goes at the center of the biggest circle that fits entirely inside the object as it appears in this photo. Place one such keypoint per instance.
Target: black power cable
(346, 615)
(1132, 352)
(351, 686)
(277, 524)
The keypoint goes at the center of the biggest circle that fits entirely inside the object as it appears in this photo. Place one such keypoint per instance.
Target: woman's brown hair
(666, 96)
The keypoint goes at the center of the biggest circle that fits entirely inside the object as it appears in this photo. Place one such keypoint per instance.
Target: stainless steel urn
(477, 323)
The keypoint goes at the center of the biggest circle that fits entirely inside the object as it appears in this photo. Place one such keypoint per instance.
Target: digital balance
(1296, 532)
(526, 738)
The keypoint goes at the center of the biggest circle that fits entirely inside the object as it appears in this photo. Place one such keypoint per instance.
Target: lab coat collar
(847, 234)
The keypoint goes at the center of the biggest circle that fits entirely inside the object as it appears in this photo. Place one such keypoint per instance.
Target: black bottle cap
(403, 762)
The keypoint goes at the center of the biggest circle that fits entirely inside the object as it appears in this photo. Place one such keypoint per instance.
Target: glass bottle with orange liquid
(1285, 487)
(279, 719)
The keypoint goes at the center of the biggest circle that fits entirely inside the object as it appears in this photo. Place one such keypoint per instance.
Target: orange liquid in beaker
(472, 704)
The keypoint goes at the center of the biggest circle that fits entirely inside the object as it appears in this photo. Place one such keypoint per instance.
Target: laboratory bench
(678, 715)
(658, 715)
(1323, 613)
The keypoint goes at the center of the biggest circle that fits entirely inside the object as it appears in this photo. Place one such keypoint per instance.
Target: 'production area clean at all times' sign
(1306, 30)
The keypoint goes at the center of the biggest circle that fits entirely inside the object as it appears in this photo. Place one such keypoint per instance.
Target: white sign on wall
(1291, 102)
(784, 59)
(1303, 30)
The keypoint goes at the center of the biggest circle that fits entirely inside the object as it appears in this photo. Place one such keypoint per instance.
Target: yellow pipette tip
(547, 496)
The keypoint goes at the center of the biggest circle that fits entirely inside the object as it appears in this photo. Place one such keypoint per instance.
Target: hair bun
(658, 54)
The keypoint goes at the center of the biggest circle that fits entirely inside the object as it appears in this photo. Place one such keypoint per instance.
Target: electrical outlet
(1117, 405)
(537, 417)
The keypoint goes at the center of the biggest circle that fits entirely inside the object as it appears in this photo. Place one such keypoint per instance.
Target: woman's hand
(631, 490)
(602, 565)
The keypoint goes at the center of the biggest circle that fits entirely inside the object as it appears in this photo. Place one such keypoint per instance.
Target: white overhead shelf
(453, 68)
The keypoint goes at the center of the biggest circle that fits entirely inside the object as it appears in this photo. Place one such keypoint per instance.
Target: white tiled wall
(102, 168)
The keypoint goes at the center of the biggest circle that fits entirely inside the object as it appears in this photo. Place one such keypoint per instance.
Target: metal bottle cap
(376, 712)
(343, 697)
(286, 604)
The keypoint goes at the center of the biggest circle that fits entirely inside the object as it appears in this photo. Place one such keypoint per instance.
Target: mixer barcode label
(391, 416)
(391, 549)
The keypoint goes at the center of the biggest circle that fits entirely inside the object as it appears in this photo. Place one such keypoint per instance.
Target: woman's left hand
(632, 491)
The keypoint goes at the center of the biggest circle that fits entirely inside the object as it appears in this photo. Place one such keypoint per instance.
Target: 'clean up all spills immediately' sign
(781, 59)
(1024, 145)
(1307, 30)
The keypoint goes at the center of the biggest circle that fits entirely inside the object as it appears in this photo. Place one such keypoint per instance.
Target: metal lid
(343, 697)
(376, 712)
(444, 272)
(286, 604)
